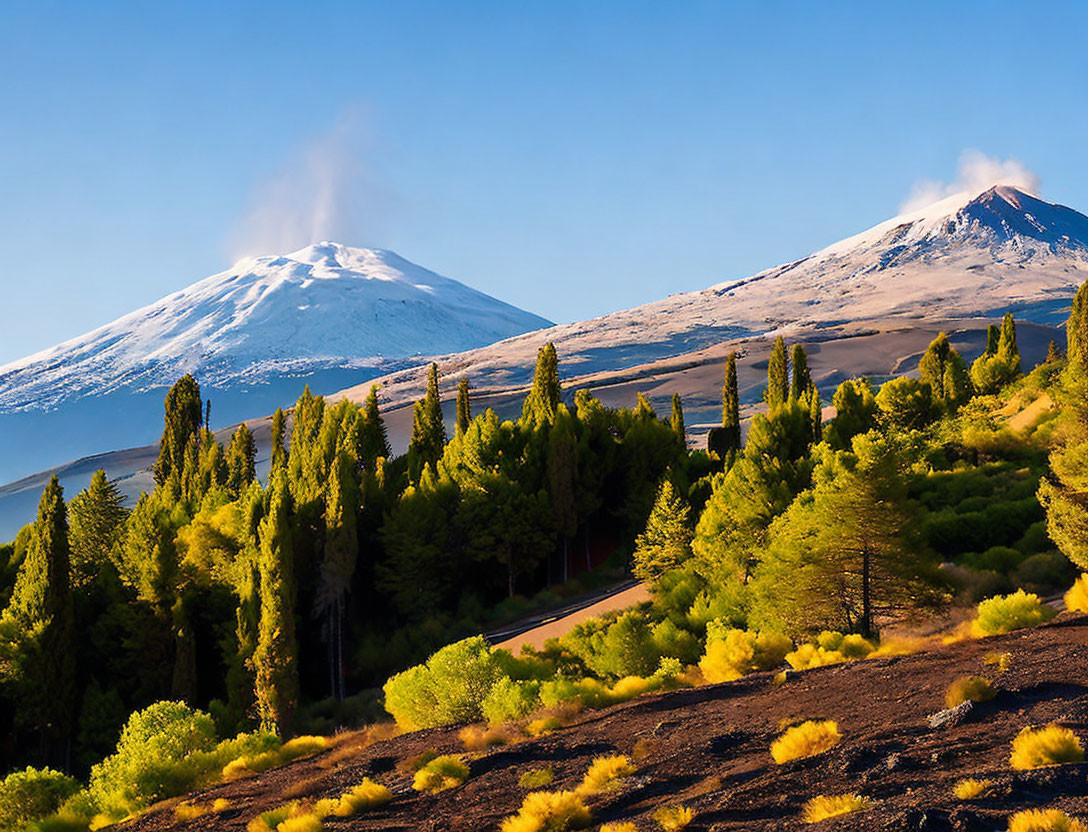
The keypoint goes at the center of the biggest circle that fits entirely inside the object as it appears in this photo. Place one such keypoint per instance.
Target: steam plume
(976, 173)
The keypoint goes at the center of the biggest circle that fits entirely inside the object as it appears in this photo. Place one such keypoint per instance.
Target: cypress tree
(279, 432)
(802, 378)
(562, 471)
(208, 414)
(543, 400)
(182, 423)
(428, 428)
(464, 412)
(241, 459)
(666, 542)
(41, 615)
(778, 379)
(338, 564)
(731, 405)
(933, 364)
(96, 518)
(1076, 329)
(993, 336)
(373, 442)
(677, 421)
(815, 414)
(1007, 349)
(275, 658)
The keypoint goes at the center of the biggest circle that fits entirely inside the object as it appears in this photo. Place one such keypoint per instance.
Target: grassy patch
(548, 812)
(805, 740)
(971, 789)
(825, 806)
(1037, 747)
(671, 818)
(441, 773)
(973, 688)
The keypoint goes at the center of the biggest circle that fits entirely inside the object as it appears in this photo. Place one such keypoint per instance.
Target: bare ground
(707, 748)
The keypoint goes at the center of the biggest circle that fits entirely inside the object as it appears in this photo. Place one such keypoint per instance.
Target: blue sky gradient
(570, 158)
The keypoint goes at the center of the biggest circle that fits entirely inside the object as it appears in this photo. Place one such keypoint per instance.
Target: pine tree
(1053, 352)
(942, 368)
(778, 378)
(731, 405)
(855, 412)
(993, 336)
(241, 459)
(373, 442)
(464, 412)
(666, 542)
(208, 414)
(815, 414)
(802, 378)
(183, 413)
(677, 421)
(644, 411)
(37, 630)
(1076, 329)
(562, 472)
(275, 658)
(848, 552)
(544, 396)
(279, 434)
(428, 428)
(96, 518)
(338, 564)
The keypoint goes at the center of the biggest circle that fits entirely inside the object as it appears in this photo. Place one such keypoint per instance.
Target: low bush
(622, 826)
(440, 774)
(536, 778)
(605, 773)
(1051, 745)
(732, 653)
(852, 646)
(306, 822)
(544, 725)
(808, 656)
(367, 795)
(185, 812)
(510, 700)
(971, 789)
(274, 757)
(270, 821)
(1045, 820)
(1076, 599)
(973, 688)
(823, 806)
(1002, 661)
(32, 794)
(450, 688)
(476, 738)
(1005, 613)
(805, 740)
(671, 818)
(548, 812)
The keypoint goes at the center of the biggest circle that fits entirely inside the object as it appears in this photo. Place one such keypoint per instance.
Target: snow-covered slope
(326, 306)
(972, 255)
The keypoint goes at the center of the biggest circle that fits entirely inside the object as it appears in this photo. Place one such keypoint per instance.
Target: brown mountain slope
(708, 749)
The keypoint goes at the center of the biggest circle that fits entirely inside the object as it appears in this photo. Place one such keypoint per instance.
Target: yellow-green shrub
(32, 794)
(808, 656)
(1045, 820)
(732, 653)
(823, 806)
(1053, 744)
(476, 738)
(805, 740)
(852, 646)
(622, 826)
(604, 774)
(544, 725)
(270, 821)
(536, 778)
(970, 788)
(1076, 599)
(185, 812)
(548, 812)
(1005, 613)
(280, 755)
(367, 795)
(441, 773)
(306, 822)
(671, 818)
(973, 688)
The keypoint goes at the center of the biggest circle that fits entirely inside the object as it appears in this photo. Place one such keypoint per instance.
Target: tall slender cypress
(778, 379)
(545, 394)
(275, 658)
(464, 412)
(1076, 329)
(677, 421)
(802, 378)
(731, 405)
(241, 459)
(428, 428)
(1007, 349)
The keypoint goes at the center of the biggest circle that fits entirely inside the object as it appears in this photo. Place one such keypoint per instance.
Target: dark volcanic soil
(708, 749)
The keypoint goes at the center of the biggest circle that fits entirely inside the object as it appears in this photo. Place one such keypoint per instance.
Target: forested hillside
(280, 607)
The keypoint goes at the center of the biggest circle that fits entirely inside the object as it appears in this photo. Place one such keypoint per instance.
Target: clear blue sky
(571, 158)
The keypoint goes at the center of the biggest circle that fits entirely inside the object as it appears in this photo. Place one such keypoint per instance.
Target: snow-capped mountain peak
(325, 306)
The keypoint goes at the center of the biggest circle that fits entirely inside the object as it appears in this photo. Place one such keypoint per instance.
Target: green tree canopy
(666, 542)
